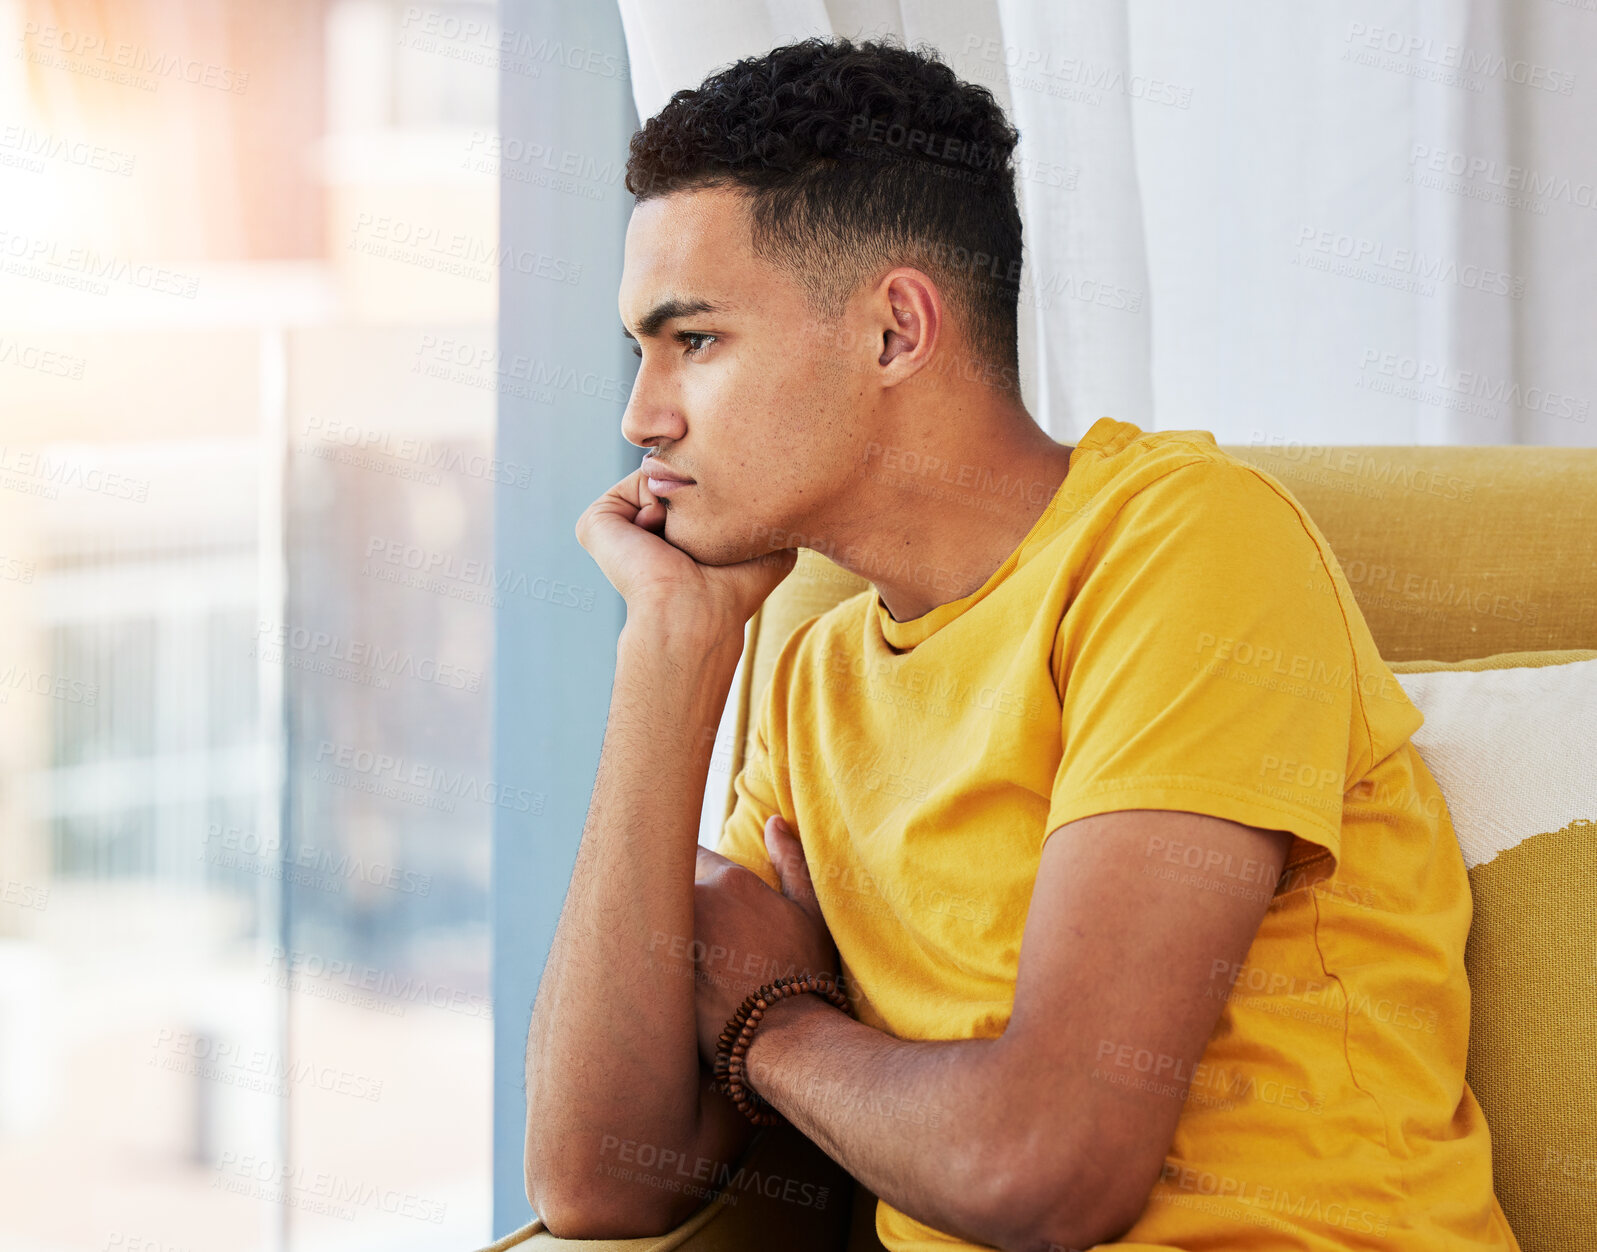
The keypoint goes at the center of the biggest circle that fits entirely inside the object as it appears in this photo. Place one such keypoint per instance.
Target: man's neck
(942, 520)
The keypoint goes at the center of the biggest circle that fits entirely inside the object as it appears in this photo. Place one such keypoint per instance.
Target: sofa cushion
(1512, 740)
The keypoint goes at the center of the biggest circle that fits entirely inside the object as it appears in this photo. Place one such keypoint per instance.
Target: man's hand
(624, 531)
(749, 935)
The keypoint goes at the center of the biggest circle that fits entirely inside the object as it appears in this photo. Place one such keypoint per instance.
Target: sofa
(1454, 554)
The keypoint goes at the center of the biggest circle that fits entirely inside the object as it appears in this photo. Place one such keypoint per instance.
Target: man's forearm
(612, 1049)
(928, 1126)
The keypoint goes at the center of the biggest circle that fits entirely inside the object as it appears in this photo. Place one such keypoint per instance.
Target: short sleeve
(755, 790)
(743, 837)
(1205, 663)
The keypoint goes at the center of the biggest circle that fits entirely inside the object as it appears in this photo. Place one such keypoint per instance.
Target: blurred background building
(248, 282)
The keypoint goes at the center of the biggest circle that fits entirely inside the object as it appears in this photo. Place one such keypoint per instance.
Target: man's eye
(695, 342)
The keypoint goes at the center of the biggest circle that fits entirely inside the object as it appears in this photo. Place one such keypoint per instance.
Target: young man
(1102, 800)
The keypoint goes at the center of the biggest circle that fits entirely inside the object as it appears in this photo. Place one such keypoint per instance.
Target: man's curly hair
(856, 157)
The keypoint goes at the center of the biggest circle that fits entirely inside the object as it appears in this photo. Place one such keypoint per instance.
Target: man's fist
(623, 530)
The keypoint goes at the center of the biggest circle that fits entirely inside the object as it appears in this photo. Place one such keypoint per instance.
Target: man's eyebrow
(666, 310)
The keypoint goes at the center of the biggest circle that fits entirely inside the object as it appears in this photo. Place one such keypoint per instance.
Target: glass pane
(248, 288)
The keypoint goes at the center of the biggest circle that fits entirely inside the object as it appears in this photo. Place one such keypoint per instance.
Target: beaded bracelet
(732, 1048)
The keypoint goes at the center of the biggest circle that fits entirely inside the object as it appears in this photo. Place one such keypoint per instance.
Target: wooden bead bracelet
(731, 1050)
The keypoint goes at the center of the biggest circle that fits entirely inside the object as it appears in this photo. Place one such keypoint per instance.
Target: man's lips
(656, 472)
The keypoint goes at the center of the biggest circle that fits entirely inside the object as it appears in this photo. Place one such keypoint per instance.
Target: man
(1101, 799)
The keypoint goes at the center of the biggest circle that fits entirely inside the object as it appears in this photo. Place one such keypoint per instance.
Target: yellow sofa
(1453, 553)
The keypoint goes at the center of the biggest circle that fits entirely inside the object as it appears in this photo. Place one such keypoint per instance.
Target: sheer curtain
(1366, 223)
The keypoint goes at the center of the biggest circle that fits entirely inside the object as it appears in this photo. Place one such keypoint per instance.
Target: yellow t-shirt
(1173, 633)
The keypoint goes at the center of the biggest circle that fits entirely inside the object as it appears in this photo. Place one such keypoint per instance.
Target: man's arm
(612, 1050)
(1011, 1141)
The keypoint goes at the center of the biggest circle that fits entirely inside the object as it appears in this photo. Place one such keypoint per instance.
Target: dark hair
(856, 157)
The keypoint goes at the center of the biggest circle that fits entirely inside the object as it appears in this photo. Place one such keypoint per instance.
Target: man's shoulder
(821, 634)
(1156, 455)
(1161, 477)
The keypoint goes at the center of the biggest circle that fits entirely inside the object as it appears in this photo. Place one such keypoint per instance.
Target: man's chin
(708, 550)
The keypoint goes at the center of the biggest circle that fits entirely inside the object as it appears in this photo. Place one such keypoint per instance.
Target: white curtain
(1332, 223)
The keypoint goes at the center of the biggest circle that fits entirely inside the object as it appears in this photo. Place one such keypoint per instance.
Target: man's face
(760, 410)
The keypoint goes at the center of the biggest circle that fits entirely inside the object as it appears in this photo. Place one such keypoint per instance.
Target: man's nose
(652, 413)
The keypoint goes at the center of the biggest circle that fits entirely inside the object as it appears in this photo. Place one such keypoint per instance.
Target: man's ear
(912, 321)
